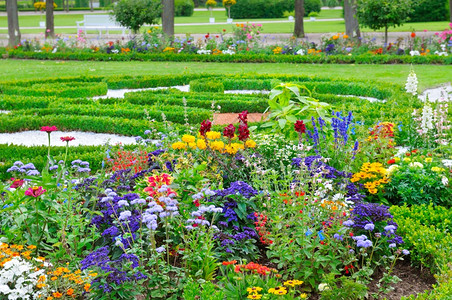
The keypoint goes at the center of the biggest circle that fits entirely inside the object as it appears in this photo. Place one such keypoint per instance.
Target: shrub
(183, 8)
(206, 86)
(260, 9)
(312, 6)
(135, 13)
(429, 10)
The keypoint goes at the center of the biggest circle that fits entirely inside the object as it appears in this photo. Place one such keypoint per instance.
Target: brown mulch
(232, 118)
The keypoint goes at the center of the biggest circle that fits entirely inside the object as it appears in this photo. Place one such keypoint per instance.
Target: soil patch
(232, 118)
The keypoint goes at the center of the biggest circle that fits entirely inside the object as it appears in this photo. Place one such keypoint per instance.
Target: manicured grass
(428, 75)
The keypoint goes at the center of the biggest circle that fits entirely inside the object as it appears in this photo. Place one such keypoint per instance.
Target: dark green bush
(260, 8)
(183, 8)
(312, 6)
(429, 10)
(202, 85)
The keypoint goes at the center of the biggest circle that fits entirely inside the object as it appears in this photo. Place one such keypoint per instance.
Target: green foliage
(250, 58)
(342, 287)
(206, 86)
(135, 13)
(377, 14)
(183, 8)
(74, 89)
(203, 291)
(429, 10)
(312, 6)
(260, 9)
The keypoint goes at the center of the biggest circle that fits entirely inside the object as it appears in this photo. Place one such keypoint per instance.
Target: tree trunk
(299, 15)
(386, 38)
(351, 23)
(168, 17)
(67, 5)
(450, 10)
(13, 22)
(50, 26)
(91, 5)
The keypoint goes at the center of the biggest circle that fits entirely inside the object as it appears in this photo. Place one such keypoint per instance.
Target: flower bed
(307, 204)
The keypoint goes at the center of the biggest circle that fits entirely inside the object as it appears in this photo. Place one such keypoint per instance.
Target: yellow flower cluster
(214, 142)
(374, 175)
(277, 50)
(279, 290)
(293, 283)
(438, 169)
(337, 36)
(169, 49)
(8, 252)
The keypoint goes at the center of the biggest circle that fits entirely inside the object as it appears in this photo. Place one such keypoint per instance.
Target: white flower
(203, 51)
(116, 51)
(445, 181)
(414, 53)
(441, 53)
(301, 52)
(416, 165)
(392, 169)
(447, 163)
(323, 286)
(411, 83)
(427, 119)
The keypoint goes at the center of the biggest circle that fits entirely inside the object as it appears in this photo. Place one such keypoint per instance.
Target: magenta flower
(67, 138)
(49, 129)
(206, 125)
(243, 117)
(35, 191)
(300, 127)
(16, 183)
(228, 131)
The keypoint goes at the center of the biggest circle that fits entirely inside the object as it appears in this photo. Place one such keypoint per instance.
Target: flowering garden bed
(321, 200)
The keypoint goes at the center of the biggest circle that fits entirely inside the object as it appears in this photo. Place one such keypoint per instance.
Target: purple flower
(405, 252)
(348, 223)
(124, 215)
(369, 226)
(338, 237)
(393, 245)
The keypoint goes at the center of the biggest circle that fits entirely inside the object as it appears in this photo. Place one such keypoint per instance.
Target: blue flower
(369, 226)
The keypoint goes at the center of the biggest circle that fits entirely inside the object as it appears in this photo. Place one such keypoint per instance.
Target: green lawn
(428, 75)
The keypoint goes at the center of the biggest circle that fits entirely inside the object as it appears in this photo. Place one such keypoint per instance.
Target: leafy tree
(377, 14)
(135, 13)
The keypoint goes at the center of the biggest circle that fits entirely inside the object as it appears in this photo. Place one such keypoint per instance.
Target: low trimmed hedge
(73, 89)
(208, 86)
(238, 58)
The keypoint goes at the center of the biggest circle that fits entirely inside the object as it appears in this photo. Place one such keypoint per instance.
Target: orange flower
(70, 292)
(57, 295)
(232, 262)
(86, 287)
(413, 35)
(345, 36)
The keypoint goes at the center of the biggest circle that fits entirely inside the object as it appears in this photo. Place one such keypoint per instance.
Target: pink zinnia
(16, 183)
(67, 138)
(35, 191)
(49, 129)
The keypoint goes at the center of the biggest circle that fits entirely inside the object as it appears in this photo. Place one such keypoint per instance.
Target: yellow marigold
(178, 145)
(335, 37)
(93, 274)
(277, 50)
(437, 169)
(397, 159)
(407, 159)
(303, 296)
(217, 145)
(49, 298)
(201, 144)
(169, 49)
(57, 295)
(250, 144)
(192, 145)
(213, 135)
(230, 149)
(428, 160)
(279, 290)
(31, 247)
(188, 138)
(53, 278)
(40, 285)
(86, 287)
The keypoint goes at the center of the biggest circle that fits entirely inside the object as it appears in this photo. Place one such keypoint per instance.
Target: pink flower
(49, 129)
(425, 30)
(205, 127)
(249, 36)
(16, 183)
(67, 138)
(300, 127)
(35, 191)
(243, 117)
(229, 131)
(48, 30)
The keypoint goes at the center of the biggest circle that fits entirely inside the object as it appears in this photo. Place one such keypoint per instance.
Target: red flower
(67, 138)
(391, 161)
(35, 191)
(229, 131)
(408, 154)
(49, 129)
(243, 117)
(206, 125)
(244, 133)
(16, 183)
(413, 35)
(300, 127)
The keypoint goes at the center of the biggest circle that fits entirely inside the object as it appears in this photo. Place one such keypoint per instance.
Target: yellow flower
(230, 149)
(335, 37)
(250, 144)
(279, 290)
(178, 145)
(397, 159)
(437, 169)
(217, 145)
(277, 50)
(201, 144)
(428, 160)
(213, 135)
(293, 282)
(192, 145)
(407, 159)
(303, 296)
(254, 296)
(188, 138)
(254, 290)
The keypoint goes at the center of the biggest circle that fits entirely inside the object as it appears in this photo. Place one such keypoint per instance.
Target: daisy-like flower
(293, 283)
(254, 290)
(49, 129)
(279, 290)
(67, 138)
(254, 296)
